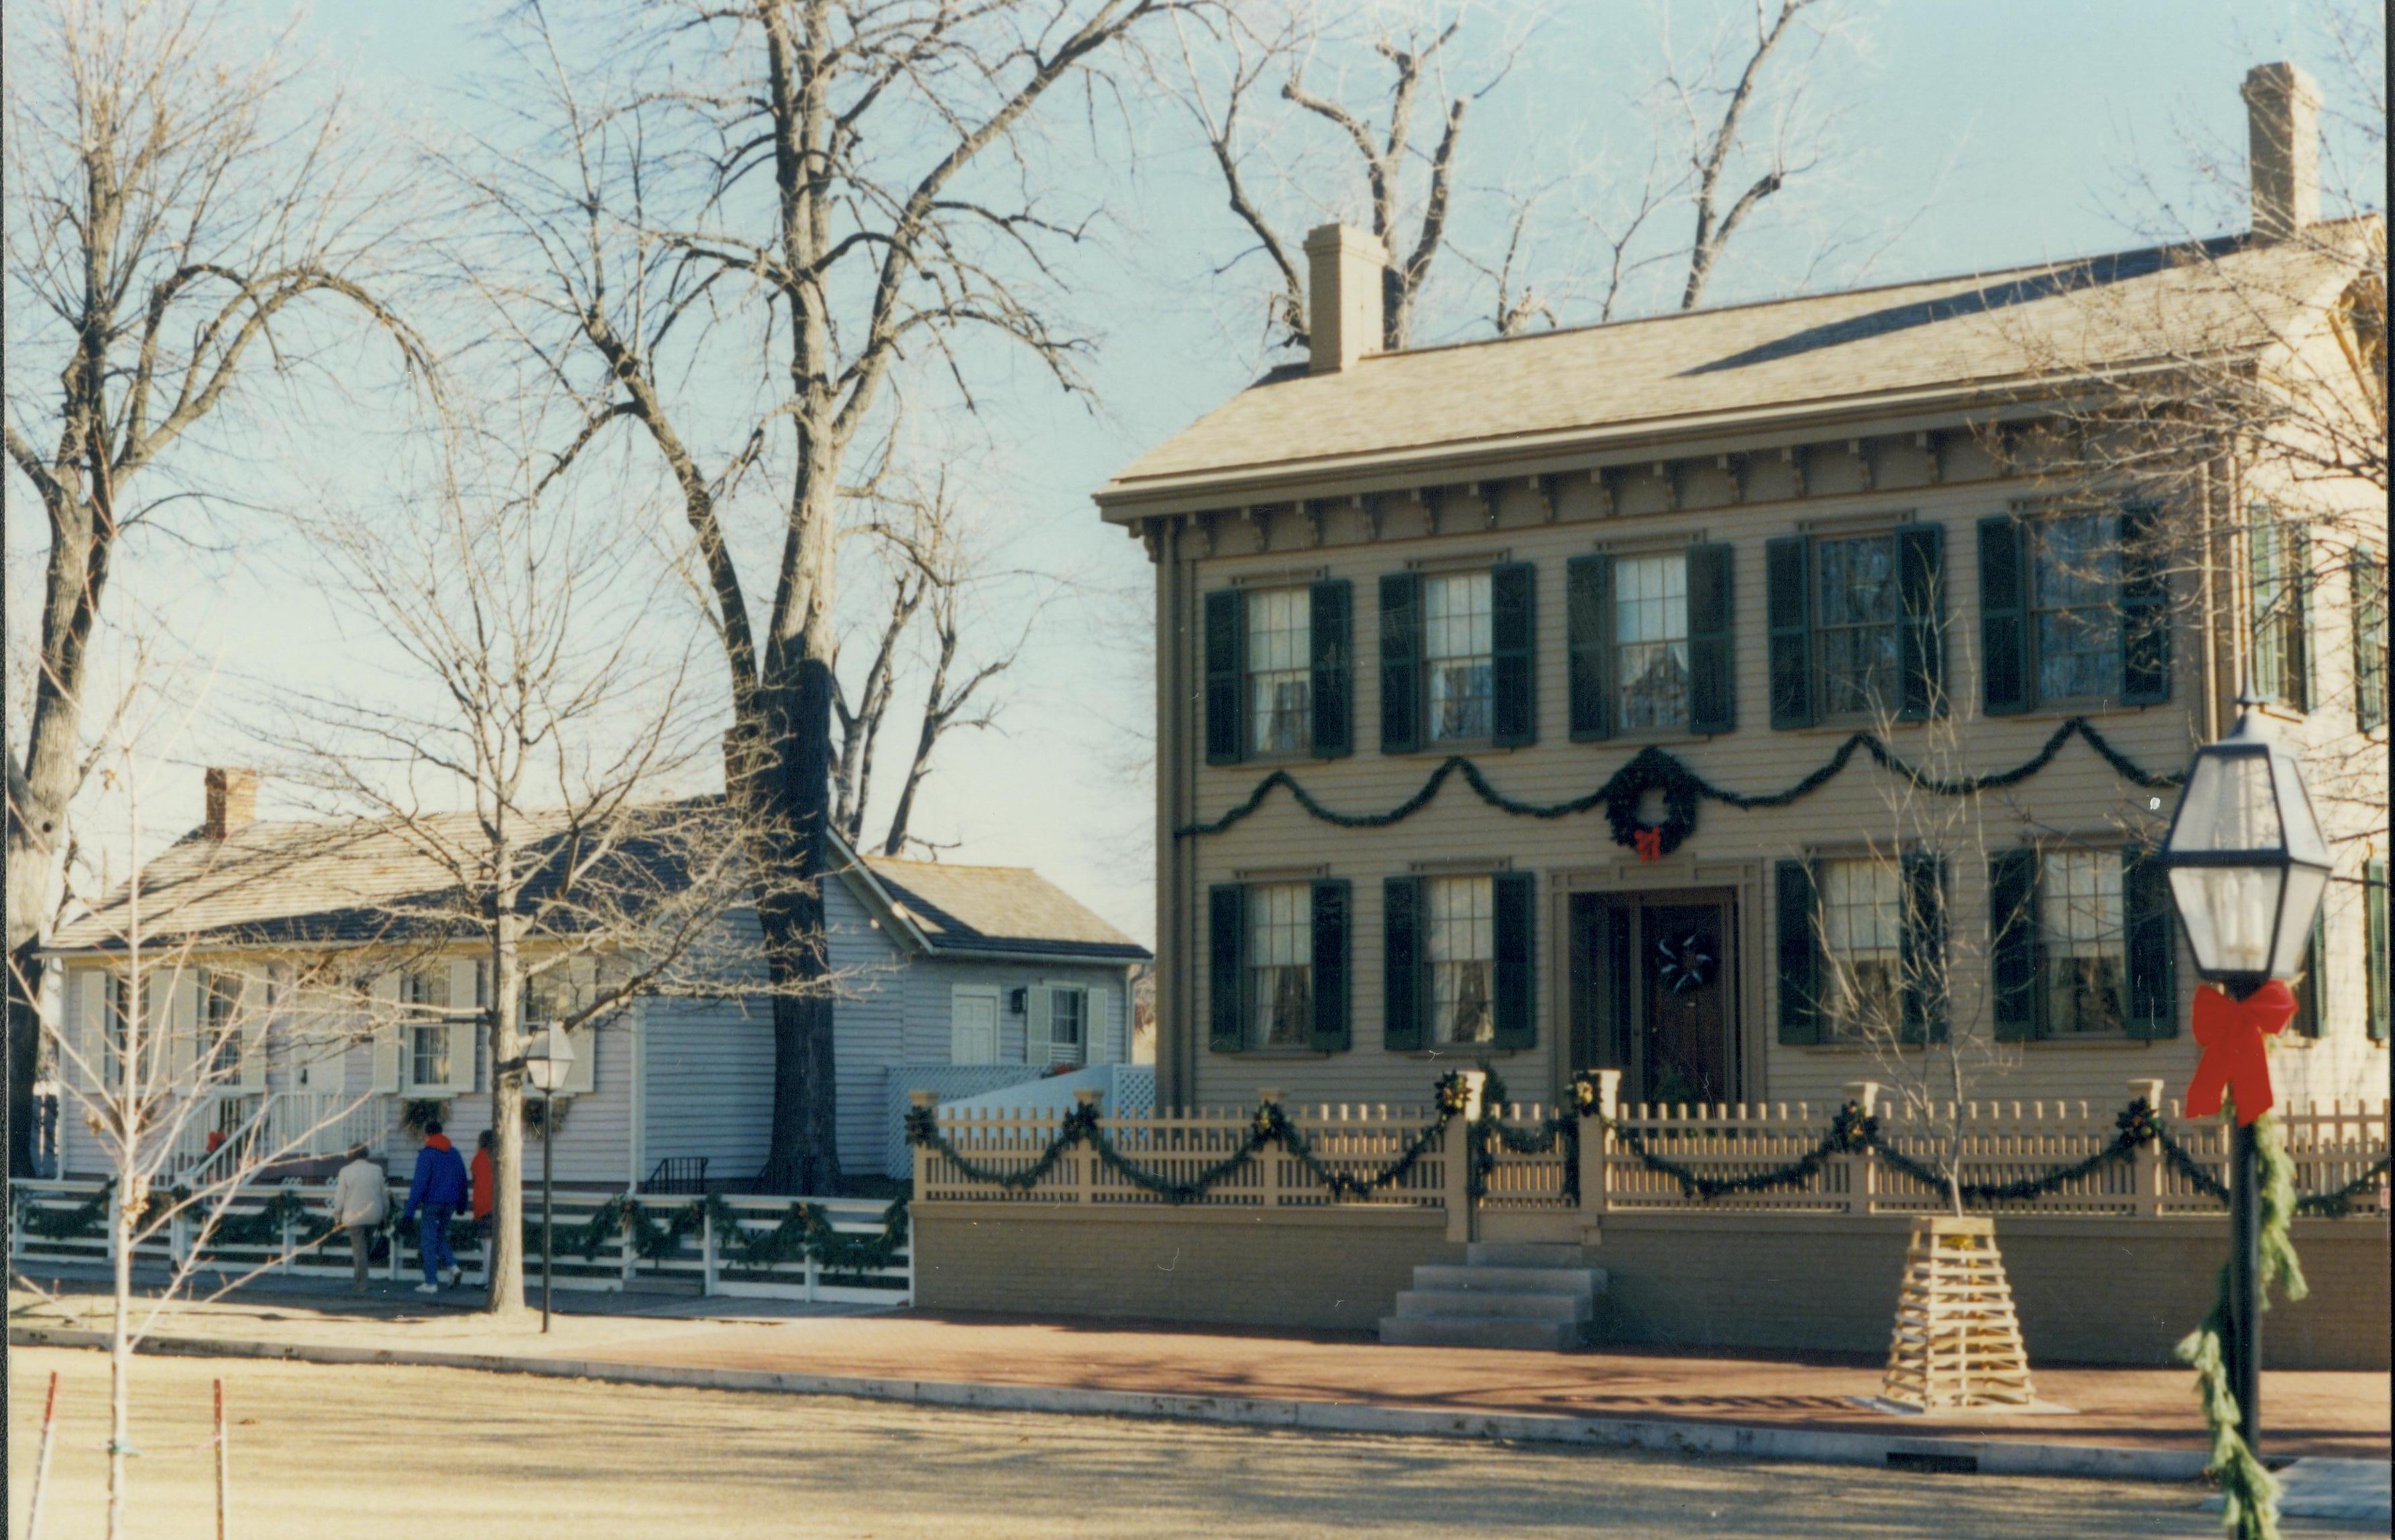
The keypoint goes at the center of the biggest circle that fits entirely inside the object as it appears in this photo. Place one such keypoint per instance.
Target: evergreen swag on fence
(1653, 769)
(804, 1230)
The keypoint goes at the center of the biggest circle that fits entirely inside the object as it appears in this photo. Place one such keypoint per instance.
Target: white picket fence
(704, 1262)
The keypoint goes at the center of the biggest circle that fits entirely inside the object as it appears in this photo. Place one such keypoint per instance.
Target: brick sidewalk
(2316, 1413)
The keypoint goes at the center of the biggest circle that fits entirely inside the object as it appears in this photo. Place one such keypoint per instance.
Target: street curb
(1984, 1456)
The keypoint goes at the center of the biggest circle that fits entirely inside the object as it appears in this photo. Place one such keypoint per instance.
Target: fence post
(1085, 1166)
(1268, 1158)
(1597, 1145)
(1862, 1167)
(2147, 1165)
(283, 1225)
(925, 1100)
(1462, 1219)
(624, 1238)
(705, 1249)
(179, 1239)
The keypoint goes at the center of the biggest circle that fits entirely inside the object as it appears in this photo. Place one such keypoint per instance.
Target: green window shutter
(1513, 903)
(1713, 665)
(1330, 632)
(2012, 943)
(1334, 902)
(2374, 903)
(2003, 619)
(1587, 616)
(2312, 992)
(1788, 612)
(2301, 685)
(1225, 643)
(1923, 950)
(1227, 944)
(2367, 580)
(2153, 944)
(2145, 608)
(1514, 650)
(1800, 955)
(1401, 963)
(1401, 663)
(1920, 584)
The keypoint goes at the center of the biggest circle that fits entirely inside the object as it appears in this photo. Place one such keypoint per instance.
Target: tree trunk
(120, 1348)
(803, 1157)
(507, 1237)
(24, 1045)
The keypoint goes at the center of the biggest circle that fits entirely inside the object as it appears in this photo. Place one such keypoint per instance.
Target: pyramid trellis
(1957, 1342)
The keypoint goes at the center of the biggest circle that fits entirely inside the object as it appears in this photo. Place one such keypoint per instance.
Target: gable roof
(953, 909)
(1972, 335)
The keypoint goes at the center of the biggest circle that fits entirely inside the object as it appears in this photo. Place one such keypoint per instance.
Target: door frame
(1737, 884)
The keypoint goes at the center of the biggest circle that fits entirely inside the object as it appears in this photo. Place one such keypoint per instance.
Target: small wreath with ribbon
(1651, 770)
(1683, 964)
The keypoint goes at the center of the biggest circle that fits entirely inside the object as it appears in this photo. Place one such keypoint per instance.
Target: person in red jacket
(483, 1179)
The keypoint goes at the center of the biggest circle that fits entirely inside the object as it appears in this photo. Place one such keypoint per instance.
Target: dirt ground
(345, 1452)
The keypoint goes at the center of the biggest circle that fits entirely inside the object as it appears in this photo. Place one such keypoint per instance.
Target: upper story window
(2367, 573)
(1462, 947)
(1279, 672)
(2075, 619)
(1650, 642)
(2281, 598)
(1280, 965)
(1459, 656)
(1861, 611)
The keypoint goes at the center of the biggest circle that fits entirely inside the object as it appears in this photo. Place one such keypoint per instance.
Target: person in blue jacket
(438, 1191)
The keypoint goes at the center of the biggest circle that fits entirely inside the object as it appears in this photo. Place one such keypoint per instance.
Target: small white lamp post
(2247, 867)
(547, 1063)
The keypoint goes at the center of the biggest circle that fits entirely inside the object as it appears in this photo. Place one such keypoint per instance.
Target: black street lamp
(547, 1063)
(2247, 867)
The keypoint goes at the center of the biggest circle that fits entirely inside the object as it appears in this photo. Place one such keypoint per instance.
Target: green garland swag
(804, 1230)
(88, 1217)
(1654, 769)
(2249, 1493)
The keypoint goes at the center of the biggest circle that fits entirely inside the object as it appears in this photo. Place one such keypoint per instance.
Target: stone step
(1436, 1276)
(1481, 1331)
(1523, 1254)
(1459, 1304)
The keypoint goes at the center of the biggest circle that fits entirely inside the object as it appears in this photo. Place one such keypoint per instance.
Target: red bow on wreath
(2231, 1033)
(1651, 844)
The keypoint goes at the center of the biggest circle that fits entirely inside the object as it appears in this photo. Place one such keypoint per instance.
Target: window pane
(1863, 931)
(1280, 964)
(1859, 604)
(1463, 950)
(429, 1053)
(1280, 671)
(1650, 639)
(1457, 656)
(2079, 922)
(2075, 583)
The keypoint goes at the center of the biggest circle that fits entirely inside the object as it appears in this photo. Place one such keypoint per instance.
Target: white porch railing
(273, 1125)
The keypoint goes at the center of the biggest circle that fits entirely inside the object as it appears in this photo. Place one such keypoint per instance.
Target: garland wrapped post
(2249, 1494)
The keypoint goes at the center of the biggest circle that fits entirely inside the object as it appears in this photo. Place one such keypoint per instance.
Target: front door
(1653, 993)
(973, 1025)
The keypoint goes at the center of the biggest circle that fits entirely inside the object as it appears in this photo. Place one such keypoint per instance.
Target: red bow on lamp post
(2231, 1033)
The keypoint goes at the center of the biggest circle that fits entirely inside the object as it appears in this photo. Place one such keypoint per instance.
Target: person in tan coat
(361, 1203)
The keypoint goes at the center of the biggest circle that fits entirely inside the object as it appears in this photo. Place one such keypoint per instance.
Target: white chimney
(1342, 301)
(2282, 149)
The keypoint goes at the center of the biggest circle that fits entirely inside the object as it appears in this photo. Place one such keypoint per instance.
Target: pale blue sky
(1975, 135)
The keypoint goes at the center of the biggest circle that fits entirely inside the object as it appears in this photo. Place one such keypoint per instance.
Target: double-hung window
(1860, 613)
(1862, 941)
(1458, 657)
(2081, 928)
(2281, 597)
(1863, 949)
(1279, 672)
(1650, 642)
(2080, 944)
(2075, 621)
(2367, 575)
(2074, 609)
(1068, 1025)
(1280, 965)
(425, 994)
(219, 1025)
(1463, 950)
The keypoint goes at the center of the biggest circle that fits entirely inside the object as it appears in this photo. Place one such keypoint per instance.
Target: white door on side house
(973, 1025)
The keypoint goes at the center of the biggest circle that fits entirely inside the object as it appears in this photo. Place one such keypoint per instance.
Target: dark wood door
(1680, 960)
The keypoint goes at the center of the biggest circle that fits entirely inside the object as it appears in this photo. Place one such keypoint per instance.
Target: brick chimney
(1342, 301)
(2282, 149)
(232, 802)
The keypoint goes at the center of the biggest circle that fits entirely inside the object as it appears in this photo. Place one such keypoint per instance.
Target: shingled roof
(990, 909)
(1974, 334)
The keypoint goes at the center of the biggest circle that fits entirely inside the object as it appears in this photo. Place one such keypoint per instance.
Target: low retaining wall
(2089, 1291)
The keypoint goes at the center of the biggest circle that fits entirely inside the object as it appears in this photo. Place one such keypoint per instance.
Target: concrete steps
(1503, 1295)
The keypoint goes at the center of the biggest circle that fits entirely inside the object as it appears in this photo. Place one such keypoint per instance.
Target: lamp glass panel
(549, 1060)
(2297, 903)
(2227, 912)
(2304, 841)
(2227, 805)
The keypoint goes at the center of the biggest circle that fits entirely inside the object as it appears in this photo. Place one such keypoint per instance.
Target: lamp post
(2247, 867)
(547, 1063)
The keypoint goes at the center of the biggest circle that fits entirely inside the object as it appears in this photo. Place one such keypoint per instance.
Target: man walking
(361, 1200)
(437, 1192)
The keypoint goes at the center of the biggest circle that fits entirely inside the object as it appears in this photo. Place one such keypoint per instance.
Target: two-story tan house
(1548, 700)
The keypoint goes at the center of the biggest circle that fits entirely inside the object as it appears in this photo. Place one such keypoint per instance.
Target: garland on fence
(1269, 1126)
(88, 1217)
(1654, 769)
(2249, 1494)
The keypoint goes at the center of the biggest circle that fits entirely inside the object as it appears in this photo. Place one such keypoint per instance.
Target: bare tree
(176, 219)
(531, 781)
(838, 184)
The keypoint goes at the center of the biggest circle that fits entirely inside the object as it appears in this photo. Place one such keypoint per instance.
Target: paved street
(411, 1452)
